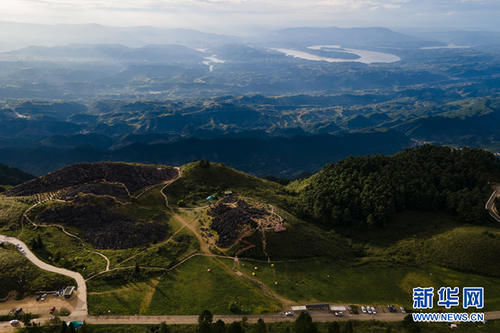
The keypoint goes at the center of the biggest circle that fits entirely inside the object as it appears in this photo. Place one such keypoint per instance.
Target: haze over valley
(248, 166)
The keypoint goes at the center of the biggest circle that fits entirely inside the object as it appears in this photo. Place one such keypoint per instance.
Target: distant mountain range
(18, 35)
(347, 37)
(115, 53)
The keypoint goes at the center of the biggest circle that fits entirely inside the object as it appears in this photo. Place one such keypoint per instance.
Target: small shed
(68, 291)
(337, 308)
(299, 308)
(318, 307)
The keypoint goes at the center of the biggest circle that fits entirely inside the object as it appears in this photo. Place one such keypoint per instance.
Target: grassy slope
(63, 251)
(188, 290)
(197, 183)
(14, 268)
(12, 176)
(192, 289)
(11, 211)
(323, 280)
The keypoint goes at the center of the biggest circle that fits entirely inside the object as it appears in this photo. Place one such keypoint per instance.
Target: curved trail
(81, 308)
(490, 204)
(61, 227)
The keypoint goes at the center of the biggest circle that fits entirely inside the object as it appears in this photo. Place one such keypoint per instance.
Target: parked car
(369, 310)
(339, 314)
(373, 310)
(52, 310)
(402, 309)
(288, 314)
(363, 309)
(18, 311)
(14, 322)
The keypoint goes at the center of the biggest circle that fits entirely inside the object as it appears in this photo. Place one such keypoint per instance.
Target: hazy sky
(234, 15)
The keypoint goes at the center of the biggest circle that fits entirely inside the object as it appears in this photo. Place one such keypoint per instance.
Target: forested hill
(12, 176)
(369, 190)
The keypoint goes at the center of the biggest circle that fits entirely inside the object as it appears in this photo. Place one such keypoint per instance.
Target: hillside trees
(369, 190)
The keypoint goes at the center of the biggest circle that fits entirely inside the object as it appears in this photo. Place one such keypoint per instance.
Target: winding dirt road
(81, 308)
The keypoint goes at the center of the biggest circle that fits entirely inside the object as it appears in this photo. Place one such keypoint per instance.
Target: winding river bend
(365, 56)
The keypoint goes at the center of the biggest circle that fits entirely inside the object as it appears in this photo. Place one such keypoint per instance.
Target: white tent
(337, 308)
(299, 308)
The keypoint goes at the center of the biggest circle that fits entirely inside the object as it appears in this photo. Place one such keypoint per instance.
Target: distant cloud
(224, 14)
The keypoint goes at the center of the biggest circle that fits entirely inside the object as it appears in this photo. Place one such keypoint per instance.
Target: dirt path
(105, 258)
(61, 227)
(203, 245)
(490, 204)
(148, 296)
(81, 294)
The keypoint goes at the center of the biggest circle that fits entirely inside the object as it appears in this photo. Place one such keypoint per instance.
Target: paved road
(268, 318)
(81, 308)
(490, 204)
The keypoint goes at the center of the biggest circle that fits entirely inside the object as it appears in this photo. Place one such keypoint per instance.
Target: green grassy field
(189, 289)
(11, 211)
(127, 299)
(323, 280)
(197, 183)
(62, 250)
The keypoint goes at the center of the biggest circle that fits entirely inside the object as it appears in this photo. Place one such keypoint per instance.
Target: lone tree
(410, 325)
(219, 327)
(304, 324)
(205, 164)
(348, 327)
(205, 322)
(261, 326)
(164, 328)
(236, 327)
(206, 316)
(334, 327)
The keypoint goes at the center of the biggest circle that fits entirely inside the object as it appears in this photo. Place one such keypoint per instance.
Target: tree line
(206, 324)
(370, 190)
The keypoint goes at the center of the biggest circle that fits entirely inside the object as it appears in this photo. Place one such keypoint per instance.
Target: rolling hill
(12, 176)
(170, 228)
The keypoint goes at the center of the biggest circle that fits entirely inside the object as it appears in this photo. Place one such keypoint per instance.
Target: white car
(369, 310)
(288, 314)
(373, 310)
(339, 314)
(363, 309)
(402, 309)
(14, 322)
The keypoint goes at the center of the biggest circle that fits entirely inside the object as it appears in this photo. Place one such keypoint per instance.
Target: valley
(284, 179)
